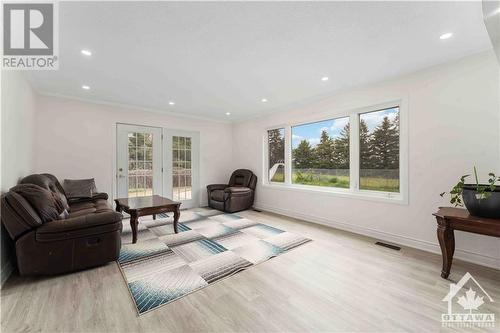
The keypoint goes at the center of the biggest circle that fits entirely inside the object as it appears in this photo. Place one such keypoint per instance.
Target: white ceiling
(213, 58)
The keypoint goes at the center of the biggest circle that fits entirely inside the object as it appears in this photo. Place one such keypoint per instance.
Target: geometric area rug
(163, 266)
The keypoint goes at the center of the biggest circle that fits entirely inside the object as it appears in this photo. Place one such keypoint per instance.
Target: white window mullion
(403, 150)
(354, 152)
(265, 160)
(288, 155)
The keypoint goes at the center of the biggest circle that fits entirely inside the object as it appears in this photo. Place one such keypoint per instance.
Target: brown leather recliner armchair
(237, 195)
(89, 236)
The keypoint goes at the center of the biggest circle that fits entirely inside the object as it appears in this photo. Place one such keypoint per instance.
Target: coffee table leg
(177, 214)
(154, 216)
(134, 221)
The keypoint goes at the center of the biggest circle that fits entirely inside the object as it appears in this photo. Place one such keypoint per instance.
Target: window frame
(354, 155)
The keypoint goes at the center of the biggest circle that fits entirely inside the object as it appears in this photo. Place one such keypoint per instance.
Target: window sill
(387, 197)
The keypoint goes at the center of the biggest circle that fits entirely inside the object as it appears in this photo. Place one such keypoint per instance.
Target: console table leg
(446, 239)
(134, 221)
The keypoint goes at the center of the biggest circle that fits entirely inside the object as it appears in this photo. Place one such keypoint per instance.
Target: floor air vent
(393, 247)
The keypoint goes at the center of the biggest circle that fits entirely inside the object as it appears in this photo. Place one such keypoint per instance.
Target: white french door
(139, 161)
(181, 164)
(152, 160)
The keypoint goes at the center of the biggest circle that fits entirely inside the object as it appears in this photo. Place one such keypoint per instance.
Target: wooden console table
(450, 219)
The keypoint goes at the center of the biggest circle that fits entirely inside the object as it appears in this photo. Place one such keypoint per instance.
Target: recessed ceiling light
(446, 35)
(324, 78)
(171, 103)
(228, 113)
(264, 100)
(85, 87)
(86, 52)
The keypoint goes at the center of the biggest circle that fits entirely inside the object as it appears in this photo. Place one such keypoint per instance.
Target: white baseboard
(472, 257)
(6, 271)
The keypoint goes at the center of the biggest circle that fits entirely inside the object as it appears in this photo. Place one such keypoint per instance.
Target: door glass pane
(132, 186)
(379, 150)
(140, 158)
(181, 168)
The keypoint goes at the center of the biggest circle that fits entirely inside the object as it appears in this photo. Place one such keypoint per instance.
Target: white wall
(18, 116)
(76, 139)
(453, 124)
(17, 127)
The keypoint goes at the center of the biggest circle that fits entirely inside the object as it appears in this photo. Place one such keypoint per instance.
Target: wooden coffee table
(151, 205)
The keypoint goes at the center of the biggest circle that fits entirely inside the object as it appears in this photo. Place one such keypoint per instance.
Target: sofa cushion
(74, 207)
(47, 204)
(96, 196)
(241, 177)
(89, 207)
(79, 188)
(81, 226)
(18, 216)
(82, 212)
(238, 190)
(217, 195)
(48, 182)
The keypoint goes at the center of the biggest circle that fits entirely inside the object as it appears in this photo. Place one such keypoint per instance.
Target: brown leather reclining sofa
(87, 236)
(237, 195)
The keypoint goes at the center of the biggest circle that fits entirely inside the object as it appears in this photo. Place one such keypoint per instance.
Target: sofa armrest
(238, 190)
(80, 222)
(216, 187)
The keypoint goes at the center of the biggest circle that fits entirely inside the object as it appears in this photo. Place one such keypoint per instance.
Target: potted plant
(479, 199)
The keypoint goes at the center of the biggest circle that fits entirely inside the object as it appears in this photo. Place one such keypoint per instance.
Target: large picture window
(362, 153)
(276, 155)
(320, 153)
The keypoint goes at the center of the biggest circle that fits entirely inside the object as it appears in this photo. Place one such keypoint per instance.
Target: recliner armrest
(68, 226)
(213, 187)
(238, 190)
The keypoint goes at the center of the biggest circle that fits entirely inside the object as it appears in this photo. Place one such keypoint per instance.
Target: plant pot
(488, 207)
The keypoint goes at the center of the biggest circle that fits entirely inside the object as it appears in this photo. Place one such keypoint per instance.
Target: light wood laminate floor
(339, 282)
